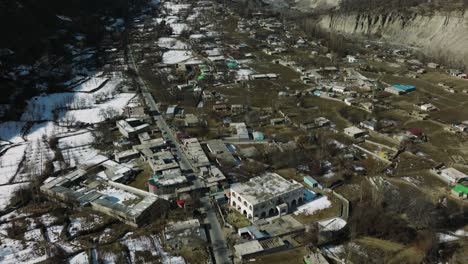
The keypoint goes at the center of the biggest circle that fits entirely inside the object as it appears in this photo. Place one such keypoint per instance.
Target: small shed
(354, 132)
(311, 182)
(405, 88)
(258, 136)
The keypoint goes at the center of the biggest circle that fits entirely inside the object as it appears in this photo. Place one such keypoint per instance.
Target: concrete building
(161, 161)
(195, 152)
(171, 111)
(242, 133)
(339, 89)
(266, 196)
(354, 132)
(428, 107)
(144, 137)
(255, 248)
(131, 127)
(167, 182)
(81, 188)
(370, 124)
(191, 120)
(117, 172)
(450, 175)
(220, 152)
(212, 175)
(126, 155)
(394, 91)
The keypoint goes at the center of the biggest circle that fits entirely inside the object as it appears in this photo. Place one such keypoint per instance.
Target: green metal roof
(232, 64)
(460, 188)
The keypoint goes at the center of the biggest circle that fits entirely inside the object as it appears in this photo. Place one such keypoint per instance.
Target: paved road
(160, 121)
(218, 242)
(219, 246)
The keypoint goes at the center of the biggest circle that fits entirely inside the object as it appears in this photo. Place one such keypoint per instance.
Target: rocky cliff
(318, 4)
(443, 36)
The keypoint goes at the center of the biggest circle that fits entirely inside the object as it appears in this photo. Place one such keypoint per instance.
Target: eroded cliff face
(319, 4)
(441, 36)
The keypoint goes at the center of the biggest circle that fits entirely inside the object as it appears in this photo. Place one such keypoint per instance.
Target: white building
(242, 133)
(428, 107)
(451, 175)
(351, 59)
(131, 127)
(354, 132)
(266, 196)
(339, 89)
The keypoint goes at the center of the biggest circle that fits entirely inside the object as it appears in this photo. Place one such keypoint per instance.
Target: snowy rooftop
(266, 187)
(333, 224)
(176, 56)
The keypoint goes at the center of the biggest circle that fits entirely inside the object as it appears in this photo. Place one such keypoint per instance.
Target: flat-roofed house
(266, 196)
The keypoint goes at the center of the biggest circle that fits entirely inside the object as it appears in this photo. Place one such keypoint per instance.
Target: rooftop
(460, 188)
(353, 130)
(453, 173)
(248, 247)
(264, 188)
(132, 124)
(406, 88)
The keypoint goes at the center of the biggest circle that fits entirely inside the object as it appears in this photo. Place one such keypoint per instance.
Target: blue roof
(404, 87)
(309, 179)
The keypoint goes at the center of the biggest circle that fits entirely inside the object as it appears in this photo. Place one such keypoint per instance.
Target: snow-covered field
(449, 237)
(176, 56)
(89, 85)
(42, 107)
(54, 232)
(243, 74)
(74, 156)
(17, 251)
(172, 43)
(312, 204)
(175, 9)
(80, 258)
(10, 162)
(98, 112)
(151, 244)
(11, 131)
(6, 192)
(77, 147)
(83, 223)
(178, 28)
(139, 244)
(80, 138)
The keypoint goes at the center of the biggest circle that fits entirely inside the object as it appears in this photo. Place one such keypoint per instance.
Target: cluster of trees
(405, 215)
(26, 25)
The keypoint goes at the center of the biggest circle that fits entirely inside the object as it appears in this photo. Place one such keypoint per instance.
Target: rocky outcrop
(319, 4)
(441, 36)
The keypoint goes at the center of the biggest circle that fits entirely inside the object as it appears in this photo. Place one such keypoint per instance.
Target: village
(223, 136)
